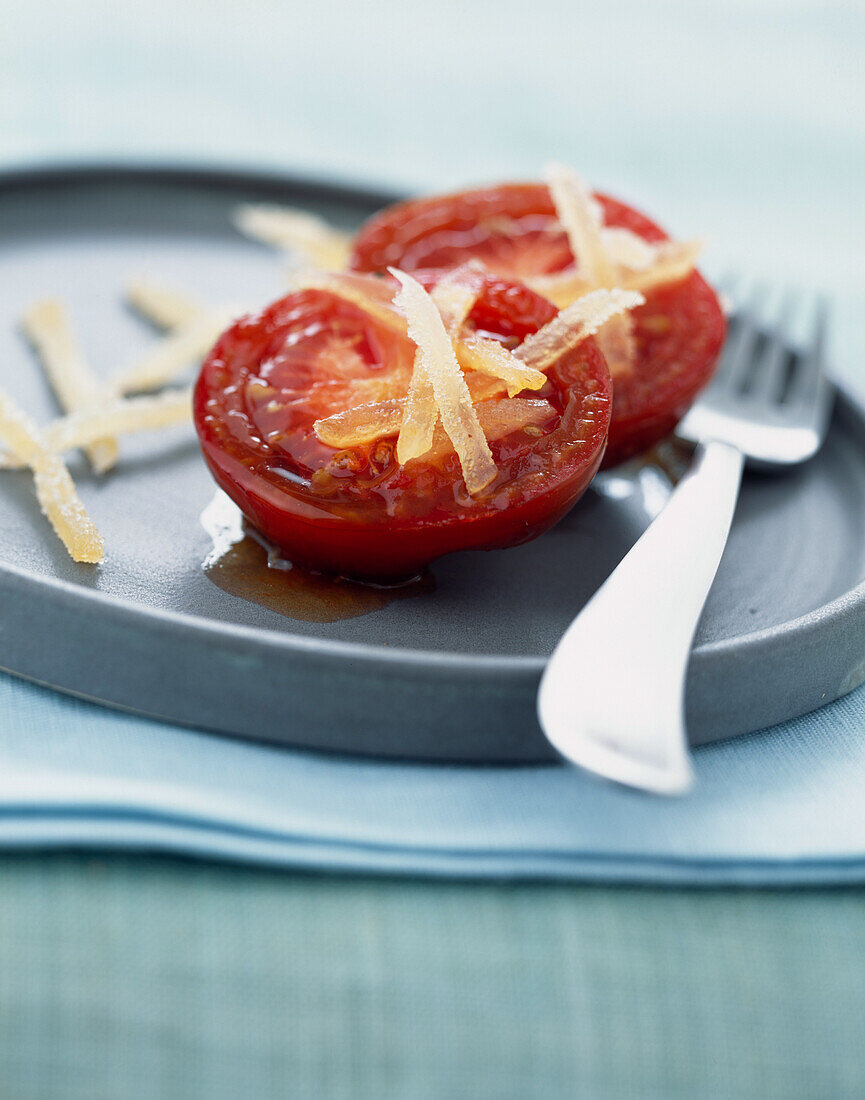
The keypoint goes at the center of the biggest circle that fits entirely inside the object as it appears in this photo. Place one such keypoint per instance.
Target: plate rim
(847, 401)
(227, 177)
(826, 615)
(511, 673)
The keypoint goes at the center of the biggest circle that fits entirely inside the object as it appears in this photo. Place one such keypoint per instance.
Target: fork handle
(612, 696)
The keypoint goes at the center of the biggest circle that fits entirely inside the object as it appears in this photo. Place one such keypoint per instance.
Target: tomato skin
(376, 552)
(670, 369)
(393, 527)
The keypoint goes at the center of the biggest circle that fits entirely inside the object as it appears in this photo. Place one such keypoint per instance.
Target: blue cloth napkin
(782, 807)
(744, 122)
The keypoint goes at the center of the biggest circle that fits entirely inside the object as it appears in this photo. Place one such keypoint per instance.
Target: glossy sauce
(244, 565)
(672, 457)
(358, 512)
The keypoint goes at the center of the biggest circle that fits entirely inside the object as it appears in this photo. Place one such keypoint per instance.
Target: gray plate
(447, 674)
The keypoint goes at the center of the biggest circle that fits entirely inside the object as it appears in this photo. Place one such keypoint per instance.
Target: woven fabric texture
(153, 980)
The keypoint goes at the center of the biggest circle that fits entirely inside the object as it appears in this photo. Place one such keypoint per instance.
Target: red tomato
(357, 512)
(512, 228)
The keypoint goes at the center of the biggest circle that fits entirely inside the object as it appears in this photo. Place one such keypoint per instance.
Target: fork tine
(770, 371)
(738, 354)
(807, 378)
(778, 415)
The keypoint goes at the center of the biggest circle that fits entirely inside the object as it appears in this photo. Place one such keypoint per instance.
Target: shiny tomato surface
(357, 512)
(513, 229)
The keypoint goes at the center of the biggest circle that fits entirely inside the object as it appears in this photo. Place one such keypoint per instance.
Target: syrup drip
(671, 456)
(244, 564)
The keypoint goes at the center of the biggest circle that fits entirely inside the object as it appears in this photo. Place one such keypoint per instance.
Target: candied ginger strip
(560, 289)
(361, 424)
(607, 256)
(454, 302)
(456, 292)
(618, 344)
(161, 305)
(448, 384)
(483, 386)
(120, 416)
(673, 261)
(55, 489)
(489, 357)
(367, 391)
(296, 231)
(454, 295)
(499, 418)
(628, 249)
(573, 324)
(420, 414)
(376, 300)
(173, 355)
(577, 211)
(670, 262)
(47, 327)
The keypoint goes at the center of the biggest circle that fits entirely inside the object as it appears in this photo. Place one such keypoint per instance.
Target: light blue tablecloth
(742, 121)
(785, 806)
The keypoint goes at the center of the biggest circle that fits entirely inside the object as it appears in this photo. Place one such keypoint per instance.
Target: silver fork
(612, 695)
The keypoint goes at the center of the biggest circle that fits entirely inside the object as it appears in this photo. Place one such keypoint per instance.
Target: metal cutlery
(612, 696)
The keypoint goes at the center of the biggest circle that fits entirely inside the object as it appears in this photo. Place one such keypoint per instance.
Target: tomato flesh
(357, 512)
(513, 229)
